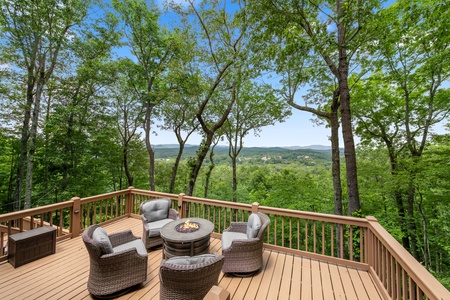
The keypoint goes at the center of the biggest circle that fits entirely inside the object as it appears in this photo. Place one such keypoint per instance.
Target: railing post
(129, 200)
(75, 218)
(255, 207)
(370, 253)
(180, 205)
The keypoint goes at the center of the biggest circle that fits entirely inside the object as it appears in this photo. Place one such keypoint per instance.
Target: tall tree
(221, 38)
(36, 31)
(256, 106)
(413, 46)
(129, 113)
(153, 50)
(184, 88)
(333, 31)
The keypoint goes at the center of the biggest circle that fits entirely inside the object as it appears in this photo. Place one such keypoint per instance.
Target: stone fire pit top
(169, 232)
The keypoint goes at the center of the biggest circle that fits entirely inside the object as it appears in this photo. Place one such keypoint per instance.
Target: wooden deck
(64, 275)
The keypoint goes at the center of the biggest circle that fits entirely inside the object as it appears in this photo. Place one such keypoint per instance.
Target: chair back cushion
(253, 226)
(190, 260)
(155, 210)
(102, 241)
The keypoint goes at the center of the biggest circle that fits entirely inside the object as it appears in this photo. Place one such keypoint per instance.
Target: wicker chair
(242, 245)
(156, 214)
(189, 277)
(117, 261)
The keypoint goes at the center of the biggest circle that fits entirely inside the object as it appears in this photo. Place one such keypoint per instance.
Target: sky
(298, 130)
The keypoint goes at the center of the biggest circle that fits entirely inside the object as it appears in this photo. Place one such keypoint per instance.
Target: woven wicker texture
(150, 242)
(188, 282)
(110, 273)
(244, 256)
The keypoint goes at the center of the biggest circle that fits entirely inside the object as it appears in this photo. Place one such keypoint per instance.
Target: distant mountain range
(311, 147)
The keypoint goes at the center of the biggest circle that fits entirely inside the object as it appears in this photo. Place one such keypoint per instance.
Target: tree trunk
(233, 162)
(210, 169)
(335, 155)
(32, 138)
(201, 154)
(130, 178)
(175, 168)
(24, 143)
(346, 120)
(412, 229)
(148, 145)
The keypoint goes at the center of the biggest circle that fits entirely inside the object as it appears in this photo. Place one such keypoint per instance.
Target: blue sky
(298, 130)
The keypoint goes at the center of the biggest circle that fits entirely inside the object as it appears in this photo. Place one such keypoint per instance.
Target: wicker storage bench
(30, 245)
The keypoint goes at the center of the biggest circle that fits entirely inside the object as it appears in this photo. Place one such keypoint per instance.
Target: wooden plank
(347, 283)
(296, 279)
(246, 284)
(285, 287)
(275, 283)
(306, 292)
(327, 287)
(369, 285)
(258, 278)
(267, 276)
(360, 290)
(338, 289)
(233, 284)
(316, 283)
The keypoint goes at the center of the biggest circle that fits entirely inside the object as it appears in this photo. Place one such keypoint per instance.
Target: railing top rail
(227, 204)
(104, 196)
(154, 194)
(429, 284)
(362, 222)
(34, 211)
(353, 221)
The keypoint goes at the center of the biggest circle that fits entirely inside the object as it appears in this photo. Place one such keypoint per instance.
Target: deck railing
(356, 242)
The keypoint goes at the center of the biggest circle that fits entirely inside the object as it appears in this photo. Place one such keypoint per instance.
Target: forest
(85, 86)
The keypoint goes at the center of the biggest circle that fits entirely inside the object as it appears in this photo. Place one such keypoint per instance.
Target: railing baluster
(341, 241)
(323, 238)
(275, 231)
(314, 237)
(306, 235)
(290, 232)
(350, 246)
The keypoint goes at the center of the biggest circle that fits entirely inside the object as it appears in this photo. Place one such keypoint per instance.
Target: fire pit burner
(187, 227)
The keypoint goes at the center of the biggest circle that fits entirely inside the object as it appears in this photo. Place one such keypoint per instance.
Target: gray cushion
(253, 226)
(155, 210)
(102, 241)
(190, 260)
(138, 244)
(229, 236)
(154, 228)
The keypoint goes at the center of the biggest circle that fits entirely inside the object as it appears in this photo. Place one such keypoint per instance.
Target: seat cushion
(229, 236)
(102, 241)
(138, 244)
(189, 260)
(155, 210)
(253, 226)
(154, 228)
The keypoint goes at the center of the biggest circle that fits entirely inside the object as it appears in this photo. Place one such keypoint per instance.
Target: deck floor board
(64, 275)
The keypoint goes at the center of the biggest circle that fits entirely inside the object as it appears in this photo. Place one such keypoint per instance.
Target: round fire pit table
(179, 241)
